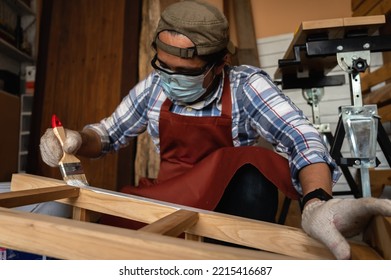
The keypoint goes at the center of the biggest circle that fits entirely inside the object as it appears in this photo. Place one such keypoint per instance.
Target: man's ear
(219, 68)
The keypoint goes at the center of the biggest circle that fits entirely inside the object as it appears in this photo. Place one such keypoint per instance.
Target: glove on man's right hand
(50, 147)
(333, 220)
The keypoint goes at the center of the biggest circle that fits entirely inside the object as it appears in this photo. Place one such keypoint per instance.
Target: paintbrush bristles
(72, 172)
(76, 180)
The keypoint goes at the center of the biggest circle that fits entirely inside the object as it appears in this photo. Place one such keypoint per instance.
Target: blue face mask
(183, 88)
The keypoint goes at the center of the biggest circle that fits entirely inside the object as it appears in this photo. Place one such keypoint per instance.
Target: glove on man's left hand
(333, 220)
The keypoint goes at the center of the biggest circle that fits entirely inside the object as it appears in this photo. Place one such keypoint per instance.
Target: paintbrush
(70, 166)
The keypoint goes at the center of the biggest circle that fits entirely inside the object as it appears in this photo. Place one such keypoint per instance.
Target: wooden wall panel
(9, 127)
(87, 62)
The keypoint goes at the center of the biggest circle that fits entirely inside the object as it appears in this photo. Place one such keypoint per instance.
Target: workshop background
(78, 59)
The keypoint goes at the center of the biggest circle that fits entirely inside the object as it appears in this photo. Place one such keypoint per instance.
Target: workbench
(317, 48)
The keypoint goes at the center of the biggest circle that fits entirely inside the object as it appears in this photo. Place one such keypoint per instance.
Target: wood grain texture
(69, 239)
(283, 240)
(378, 235)
(370, 79)
(362, 251)
(173, 224)
(385, 113)
(166, 218)
(366, 7)
(381, 96)
(9, 125)
(32, 196)
(87, 63)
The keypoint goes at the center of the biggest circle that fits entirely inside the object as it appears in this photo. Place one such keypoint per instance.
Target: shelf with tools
(17, 58)
(16, 19)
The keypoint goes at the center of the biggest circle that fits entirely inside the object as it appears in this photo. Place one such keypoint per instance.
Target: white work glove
(50, 147)
(333, 220)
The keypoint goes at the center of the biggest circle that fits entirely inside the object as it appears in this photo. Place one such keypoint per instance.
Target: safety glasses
(160, 66)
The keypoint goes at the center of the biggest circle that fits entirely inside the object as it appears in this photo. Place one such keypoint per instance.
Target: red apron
(198, 159)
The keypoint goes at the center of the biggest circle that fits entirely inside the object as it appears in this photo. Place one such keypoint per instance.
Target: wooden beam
(68, 239)
(381, 96)
(276, 238)
(247, 50)
(385, 113)
(173, 224)
(32, 196)
(379, 179)
(356, 3)
(81, 214)
(378, 235)
(362, 251)
(370, 79)
(365, 8)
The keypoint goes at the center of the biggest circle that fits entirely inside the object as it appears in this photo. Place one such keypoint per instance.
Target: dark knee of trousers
(251, 195)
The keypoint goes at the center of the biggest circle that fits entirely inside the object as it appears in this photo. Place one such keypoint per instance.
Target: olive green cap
(202, 23)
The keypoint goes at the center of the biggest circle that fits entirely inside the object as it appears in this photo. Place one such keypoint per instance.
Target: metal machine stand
(306, 65)
(360, 122)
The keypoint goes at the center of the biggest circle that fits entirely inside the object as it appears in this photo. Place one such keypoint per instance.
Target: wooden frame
(72, 239)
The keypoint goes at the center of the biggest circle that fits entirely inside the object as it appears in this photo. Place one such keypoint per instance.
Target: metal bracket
(313, 97)
(354, 63)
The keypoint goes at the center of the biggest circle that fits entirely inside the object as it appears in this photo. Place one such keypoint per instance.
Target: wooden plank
(385, 113)
(276, 238)
(370, 79)
(335, 28)
(69, 239)
(147, 161)
(383, 8)
(366, 7)
(370, 23)
(362, 251)
(193, 237)
(26, 197)
(308, 28)
(173, 224)
(80, 214)
(247, 52)
(378, 235)
(375, 21)
(381, 96)
(356, 3)
(379, 179)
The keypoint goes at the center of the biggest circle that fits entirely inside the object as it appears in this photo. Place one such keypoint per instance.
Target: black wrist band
(318, 193)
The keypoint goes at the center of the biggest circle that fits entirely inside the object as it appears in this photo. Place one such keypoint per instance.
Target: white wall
(271, 49)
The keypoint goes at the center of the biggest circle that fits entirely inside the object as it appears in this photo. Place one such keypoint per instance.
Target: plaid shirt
(259, 109)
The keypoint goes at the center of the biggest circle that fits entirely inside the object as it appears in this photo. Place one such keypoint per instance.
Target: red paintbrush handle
(55, 121)
(58, 129)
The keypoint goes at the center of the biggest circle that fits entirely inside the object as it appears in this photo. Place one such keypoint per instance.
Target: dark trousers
(251, 195)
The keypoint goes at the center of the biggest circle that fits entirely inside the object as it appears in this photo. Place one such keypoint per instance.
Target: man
(205, 117)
